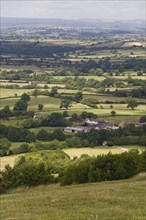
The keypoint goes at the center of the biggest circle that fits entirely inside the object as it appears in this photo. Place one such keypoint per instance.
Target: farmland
(72, 112)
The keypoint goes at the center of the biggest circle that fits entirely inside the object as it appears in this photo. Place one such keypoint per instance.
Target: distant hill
(122, 24)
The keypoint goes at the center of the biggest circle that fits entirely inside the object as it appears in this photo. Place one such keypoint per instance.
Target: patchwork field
(116, 200)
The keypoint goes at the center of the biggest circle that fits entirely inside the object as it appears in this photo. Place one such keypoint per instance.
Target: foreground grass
(116, 200)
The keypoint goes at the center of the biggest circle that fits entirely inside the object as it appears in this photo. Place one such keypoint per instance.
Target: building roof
(78, 128)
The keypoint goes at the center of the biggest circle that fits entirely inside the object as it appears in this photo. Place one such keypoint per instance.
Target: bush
(24, 148)
(4, 147)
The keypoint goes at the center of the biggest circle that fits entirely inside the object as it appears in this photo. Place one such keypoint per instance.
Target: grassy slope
(116, 200)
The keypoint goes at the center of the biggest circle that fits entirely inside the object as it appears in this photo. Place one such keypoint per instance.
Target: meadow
(52, 104)
(116, 200)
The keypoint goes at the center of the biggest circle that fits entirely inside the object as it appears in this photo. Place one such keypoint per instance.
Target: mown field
(116, 200)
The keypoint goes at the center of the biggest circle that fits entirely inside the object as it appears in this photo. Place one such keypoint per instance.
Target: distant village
(91, 124)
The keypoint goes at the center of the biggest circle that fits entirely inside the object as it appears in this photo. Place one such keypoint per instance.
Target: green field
(116, 200)
(52, 104)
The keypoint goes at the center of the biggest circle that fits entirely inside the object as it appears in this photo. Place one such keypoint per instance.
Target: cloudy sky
(75, 9)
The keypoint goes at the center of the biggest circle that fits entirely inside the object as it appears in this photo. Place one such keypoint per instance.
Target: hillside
(116, 200)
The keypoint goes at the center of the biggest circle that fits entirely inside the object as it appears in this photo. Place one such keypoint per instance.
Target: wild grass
(116, 200)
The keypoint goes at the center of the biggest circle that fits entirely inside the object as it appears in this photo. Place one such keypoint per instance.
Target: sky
(75, 9)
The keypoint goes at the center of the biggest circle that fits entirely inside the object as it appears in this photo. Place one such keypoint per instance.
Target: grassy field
(116, 200)
(51, 105)
(120, 118)
(6, 93)
(120, 109)
(48, 102)
(77, 152)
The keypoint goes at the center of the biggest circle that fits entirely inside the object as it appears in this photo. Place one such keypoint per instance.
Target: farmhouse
(98, 127)
(106, 126)
(91, 122)
(77, 129)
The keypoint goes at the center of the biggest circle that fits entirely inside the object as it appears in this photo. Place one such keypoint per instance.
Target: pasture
(116, 200)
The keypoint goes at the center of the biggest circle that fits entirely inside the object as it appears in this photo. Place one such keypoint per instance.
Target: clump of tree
(6, 113)
(131, 103)
(91, 102)
(105, 167)
(5, 145)
(21, 105)
(78, 96)
(65, 103)
(40, 107)
(142, 119)
(54, 91)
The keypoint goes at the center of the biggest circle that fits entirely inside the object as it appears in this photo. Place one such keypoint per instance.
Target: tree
(113, 113)
(58, 135)
(5, 113)
(65, 114)
(20, 107)
(4, 147)
(142, 119)
(65, 103)
(25, 97)
(43, 135)
(35, 93)
(132, 104)
(55, 120)
(24, 148)
(54, 91)
(40, 107)
(78, 96)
